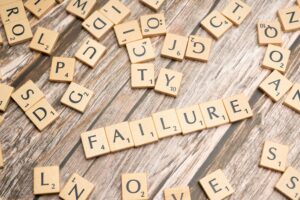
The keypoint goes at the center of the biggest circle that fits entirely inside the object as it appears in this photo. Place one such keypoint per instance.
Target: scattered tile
(18, 32)
(198, 48)
(153, 25)
(115, 11)
(269, 32)
(290, 18)
(287, 184)
(236, 11)
(142, 75)
(134, 186)
(46, 180)
(293, 98)
(174, 46)
(140, 51)
(62, 69)
(12, 12)
(128, 32)
(178, 193)
(155, 5)
(81, 9)
(40, 7)
(6, 92)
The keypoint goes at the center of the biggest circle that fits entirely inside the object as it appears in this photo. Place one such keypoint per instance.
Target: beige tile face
(166, 123)
(134, 186)
(276, 58)
(293, 98)
(46, 180)
(214, 113)
(7, 16)
(77, 183)
(298, 2)
(77, 97)
(44, 40)
(237, 107)
(90, 52)
(142, 75)
(27, 95)
(119, 136)
(290, 18)
(174, 46)
(179, 193)
(168, 82)
(288, 184)
(269, 32)
(81, 9)
(153, 25)
(115, 11)
(62, 69)
(128, 32)
(275, 85)
(143, 131)
(95, 143)
(140, 51)
(216, 185)
(5, 94)
(39, 8)
(18, 32)
(198, 48)
(236, 11)
(153, 4)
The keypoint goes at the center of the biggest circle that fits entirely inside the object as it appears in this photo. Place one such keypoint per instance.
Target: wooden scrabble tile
(288, 183)
(190, 119)
(153, 25)
(143, 131)
(275, 85)
(42, 114)
(216, 24)
(97, 24)
(128, 32)
(81, 9)
(5, 94)
(134, 186)
(95, 143)
(142, 75)
(115, 11)
(27, 95)
(140, 51)
(276, 58)
(293, 98)
(18, 32)
(119, 136)
(62, 69)
(237, 107)
(166, 123)
(174, 46)
(12, 12)
(216, 185)
(46, 180)
(298, 2)
(90, 52)
(269, 32)
(290, 18)
(168, 82)
(198, 48)
(153, 4)
(236, 11)
(40, 7)
(178, 193)
(77, 188)
(214, 113)
(77, 97)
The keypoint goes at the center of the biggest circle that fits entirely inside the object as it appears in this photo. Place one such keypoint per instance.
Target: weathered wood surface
(234, 67)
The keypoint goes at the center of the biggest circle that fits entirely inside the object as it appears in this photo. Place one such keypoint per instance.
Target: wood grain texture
(234, 67)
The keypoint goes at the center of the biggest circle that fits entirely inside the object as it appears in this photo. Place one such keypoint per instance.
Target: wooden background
(234, 67)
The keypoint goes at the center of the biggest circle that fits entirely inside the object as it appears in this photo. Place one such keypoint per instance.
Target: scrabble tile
(275, 85)
(236, 11)
(293, 98)
(143, 131)
(27, 95)
(46, 180)
(190, 119)
(142, 75)
(12, 12)
(153, 25)
(274, 156)
(298, 2)
(90, 52)
(276, 58)
(288, 183)
(168, 82)
(237, 107)
(178, 193)
(269, 32)
(18, 32)
(77, 97)
(214, 113)
(5, 94)
(62, 69)
(134, 186)
(81, 8)
(95, 143)
(153, 4)
(77, 188)
(97, 24)
(289, 18)
(166, 123)
(140, 51)
(40, 7)
(174, 46)
(42, 114)
(115, 11)
(119, 136)
(216, 185)
(216, 24)
(128, 32)
(198, 48)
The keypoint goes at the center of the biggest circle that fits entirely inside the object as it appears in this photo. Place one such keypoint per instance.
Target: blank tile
(198, 48)
(128, 32)
(178, 193)
(174, 46)
(153, 4)
(7, 16)
(39, 8)
(293, 98)
(115, 11)
(236, 11)
(153, 25)
(46, 180)
(290, 18)
(140, 51)
(81, 9)
(134, 186)
(18, 32)
(5, 94)
(288, 183)
(62, 69)
(142, 75)
(269, 32)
